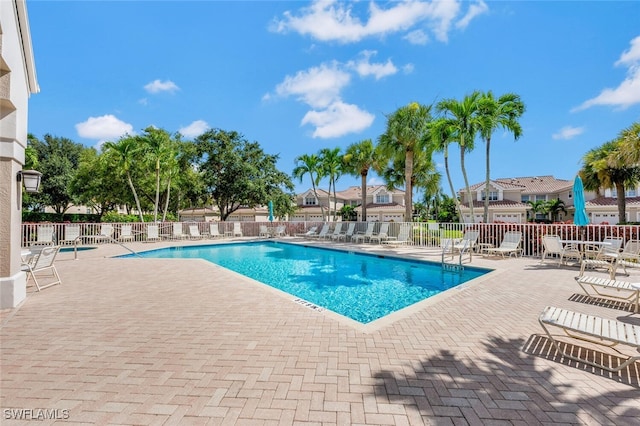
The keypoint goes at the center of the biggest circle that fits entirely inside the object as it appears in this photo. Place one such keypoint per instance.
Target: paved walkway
(150, 341)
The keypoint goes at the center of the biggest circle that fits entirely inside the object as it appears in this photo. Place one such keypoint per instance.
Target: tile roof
(501, 203)
(530, 184)
(608, 201)
(389, 206)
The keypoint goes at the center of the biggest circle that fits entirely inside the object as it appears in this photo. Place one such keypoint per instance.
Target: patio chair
(467, 244)
(45, 235)
(610, 246)
(153, 233)
(364, 236)
(593, 329)
(71, 234)
(126, 233)
(629, 257)
(403, 238)
(105, 235)
(596, 287)
(42, 261)
(382, 235)
(552, 246)
(323, 232)
(311, 231)
(281, 231)
(336, 231)
(264, 231)
(194, 232)
(176, 231)
(214, 231)
(237, 229)
(351, 228)
(510, 244)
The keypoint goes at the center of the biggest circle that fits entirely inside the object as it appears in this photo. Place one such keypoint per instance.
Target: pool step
(452, 267)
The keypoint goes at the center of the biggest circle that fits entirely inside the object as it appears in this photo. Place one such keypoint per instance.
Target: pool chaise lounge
(593, 329)
(510, 244)
(611, 289)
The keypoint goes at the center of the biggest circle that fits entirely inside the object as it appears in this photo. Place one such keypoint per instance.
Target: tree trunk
(622, 203)
(466, 184)
(155, 208)
(135, 196)
(485, 215)
(408, 196)
(453, 190)
(363, 176)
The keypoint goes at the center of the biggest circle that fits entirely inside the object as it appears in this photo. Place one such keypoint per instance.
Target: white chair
(366, 235)
(337, 230)
(153, 233)
(552, 247)
(126, 233)
(42, 261)
(237, 229)
(403, 238)
(310, 232)
(214, 231)
(347, 234)
(105, 235)
(194, 232)
(382, 235)
(467, 244)
(45, 235)
(264, 231)
(177, 232)
(281, 231)
(510, 244)
(71, 234)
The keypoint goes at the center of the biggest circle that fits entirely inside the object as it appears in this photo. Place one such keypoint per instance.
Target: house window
(493, 195)
(541, 198)
(524, 198)
(382, 199)
(630, 193)
(310, 201)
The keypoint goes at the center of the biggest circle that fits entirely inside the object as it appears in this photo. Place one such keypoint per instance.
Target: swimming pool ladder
(453, 267)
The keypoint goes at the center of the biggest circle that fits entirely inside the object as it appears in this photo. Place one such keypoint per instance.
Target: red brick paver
(152, 341)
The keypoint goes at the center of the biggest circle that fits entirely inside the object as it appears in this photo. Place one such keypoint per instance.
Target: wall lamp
(30, 180)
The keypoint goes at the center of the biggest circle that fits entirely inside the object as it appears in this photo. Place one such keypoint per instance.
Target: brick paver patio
(150, 341)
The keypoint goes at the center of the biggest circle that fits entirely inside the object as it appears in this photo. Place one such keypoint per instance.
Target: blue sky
(300, 76)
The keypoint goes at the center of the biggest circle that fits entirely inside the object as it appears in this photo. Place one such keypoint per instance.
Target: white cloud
(628, 92)
(329, 20)
(408, 68)
(157, 86)
(143, 101)
(374, 181)
(317, 86)
(417, 37)
(103, 128)
(568, 132)
(338, 119)
(194, 129)
(473, 11)
(365, 68)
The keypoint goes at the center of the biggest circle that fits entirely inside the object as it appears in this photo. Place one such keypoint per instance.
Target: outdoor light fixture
(30, 180)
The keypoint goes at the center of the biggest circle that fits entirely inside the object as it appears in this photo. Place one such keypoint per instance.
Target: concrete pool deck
(169, 341)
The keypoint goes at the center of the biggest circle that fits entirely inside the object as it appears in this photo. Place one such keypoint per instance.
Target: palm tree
(554, 207)
(358, 160)
(463, 117)
(629, 140)
(612, 172)
(539, 206)
(156, 144)
(504, 113)
(331, 166)
(406, 133)
(442, 134)
(123, 154)
(309, 164)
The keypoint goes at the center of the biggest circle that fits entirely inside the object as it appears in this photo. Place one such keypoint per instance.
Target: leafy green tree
(123, 155)
(462, 116)
(331, 167)
(448, 211)
(348, 212)
(554, 207)
(611, 172)
(504, 113)
(237, 172)
(158, 149)
(58, 160)
(359, 158)
(442, 134)
(629, 148)
(98, 185)
(309, 164)
(406, 134)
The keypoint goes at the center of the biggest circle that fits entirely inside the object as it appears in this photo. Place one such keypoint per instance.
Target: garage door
(315, 218)
(373, 218)
(467, 218)
(392, 218)
(507, 217)
(298, 218)
(610, 218)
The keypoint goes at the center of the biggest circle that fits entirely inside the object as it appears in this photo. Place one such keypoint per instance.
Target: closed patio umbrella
(270, 211)
(580, 217)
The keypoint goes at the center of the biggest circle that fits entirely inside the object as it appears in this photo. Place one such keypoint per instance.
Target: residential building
(17, 82)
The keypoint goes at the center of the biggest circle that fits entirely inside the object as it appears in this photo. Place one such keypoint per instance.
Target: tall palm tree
(539, 206)
(442, 134)
(406, 133)
(156, 143)
(358, 160)
(554, 207)
(123, 155)
(504, 113)
(309, 165)
(463, 117)
(629, 140)
(331, 165)
(611, 172)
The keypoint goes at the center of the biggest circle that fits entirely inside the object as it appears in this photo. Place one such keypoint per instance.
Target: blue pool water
(359, 286)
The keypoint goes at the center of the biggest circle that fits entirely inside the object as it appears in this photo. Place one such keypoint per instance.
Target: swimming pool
(362, 287)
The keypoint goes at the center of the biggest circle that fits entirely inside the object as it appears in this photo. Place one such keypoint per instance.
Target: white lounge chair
(366, 235)
(467, 244)
(552, 246)
(382, 235)
(71, 234)
(347, 234)
(264, 231)
(609, 247)
(194, 232)
(153, 233)
(214, 231)
(105, 235)
(126, 233)
(311, 231)
(336, 231)
(237, 229)
(176, 231)
(323, 232)
(45, 235)
(403, 238)
(281, 231)
(629, 257)
(510, 244)
(42, 261)
(597, 330)
(611, 289)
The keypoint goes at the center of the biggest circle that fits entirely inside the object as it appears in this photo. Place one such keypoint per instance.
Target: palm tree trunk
(155, 207)
(466, 184)
(485, 215)
(408, 196)
(135, 196)
(166, 204)
(363, 177)
(453, 191)
(622, 203)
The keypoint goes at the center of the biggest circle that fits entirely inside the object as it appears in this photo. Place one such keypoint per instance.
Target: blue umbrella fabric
(580, 217)
(270, 211)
